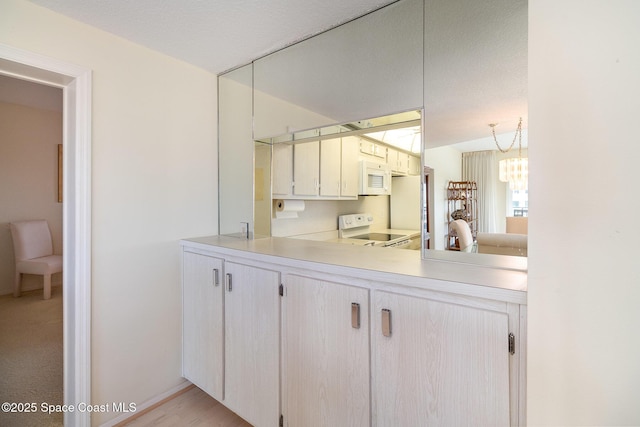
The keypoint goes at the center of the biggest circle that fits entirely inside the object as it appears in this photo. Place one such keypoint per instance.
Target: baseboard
(149, 405)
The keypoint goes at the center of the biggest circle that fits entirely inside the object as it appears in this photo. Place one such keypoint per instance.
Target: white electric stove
(357, 227)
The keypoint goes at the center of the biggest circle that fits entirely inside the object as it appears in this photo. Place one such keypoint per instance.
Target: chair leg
(47, 286)
(16, 285)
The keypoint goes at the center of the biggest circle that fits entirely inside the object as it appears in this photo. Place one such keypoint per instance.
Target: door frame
(75, 82)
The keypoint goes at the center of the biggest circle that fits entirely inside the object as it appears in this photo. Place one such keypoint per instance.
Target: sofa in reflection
(502, 243)
(517, 225)
(513, 242)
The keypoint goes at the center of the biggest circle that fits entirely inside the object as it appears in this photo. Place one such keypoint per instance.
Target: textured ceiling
(475, 68)
(213, 34)
(476, 50)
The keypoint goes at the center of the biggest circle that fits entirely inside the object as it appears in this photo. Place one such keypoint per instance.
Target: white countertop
(445, 273)
(333, 236)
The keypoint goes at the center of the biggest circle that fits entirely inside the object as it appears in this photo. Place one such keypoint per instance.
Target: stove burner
(379, 237)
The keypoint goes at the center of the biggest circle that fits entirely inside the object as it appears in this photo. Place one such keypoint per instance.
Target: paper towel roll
(288, 208)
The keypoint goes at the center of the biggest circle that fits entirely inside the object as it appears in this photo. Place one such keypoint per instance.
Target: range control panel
(346, 222)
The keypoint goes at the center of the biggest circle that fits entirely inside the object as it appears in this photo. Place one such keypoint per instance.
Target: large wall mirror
(235, 152)
(369, 67)
(430, 74)
(475, 75)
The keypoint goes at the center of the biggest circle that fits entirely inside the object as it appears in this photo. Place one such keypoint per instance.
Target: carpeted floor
(31, 358)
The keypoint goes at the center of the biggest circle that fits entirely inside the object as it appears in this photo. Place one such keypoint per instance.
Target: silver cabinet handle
(216, 279)
(355, 315)
(229, 284)
(386, 322)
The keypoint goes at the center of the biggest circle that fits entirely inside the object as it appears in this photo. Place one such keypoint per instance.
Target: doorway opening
(76, 85)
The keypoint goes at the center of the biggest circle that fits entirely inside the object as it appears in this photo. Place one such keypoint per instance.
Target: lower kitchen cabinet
(439, 363)
(202, 322)
(328, 349)
(252, 343)
(326, 353)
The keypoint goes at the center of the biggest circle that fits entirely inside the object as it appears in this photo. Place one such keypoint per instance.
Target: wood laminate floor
(193, 407)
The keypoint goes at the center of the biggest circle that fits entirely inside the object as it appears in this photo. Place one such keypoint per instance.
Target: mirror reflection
(235, 152)
(474, 210)
(462, 64)
(356, 183)
(369, 67)
(465, 205)
(475, 75)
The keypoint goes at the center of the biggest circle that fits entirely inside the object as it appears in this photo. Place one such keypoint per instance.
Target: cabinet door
(392, 159)
(282, 169)
(306, 168)
(403, 163)
(326, 353)
(398, 161)
(350, 168)
(252, 343)
(441, 364)
(414, 165)
(373, 149)
(202, 324)
(330, 165)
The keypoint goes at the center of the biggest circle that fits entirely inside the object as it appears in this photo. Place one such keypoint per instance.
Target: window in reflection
(517, 202)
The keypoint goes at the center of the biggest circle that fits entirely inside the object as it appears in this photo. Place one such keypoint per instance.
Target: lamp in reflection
(515, 170)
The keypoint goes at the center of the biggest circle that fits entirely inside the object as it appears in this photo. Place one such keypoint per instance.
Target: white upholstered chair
(33, 249)
(462, 230)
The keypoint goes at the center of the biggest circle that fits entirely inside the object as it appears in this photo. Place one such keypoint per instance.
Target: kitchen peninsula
(353, 335)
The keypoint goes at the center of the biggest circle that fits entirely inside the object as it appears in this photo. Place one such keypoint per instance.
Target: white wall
(322, 215)
(446, 163)
(154, 181)
(29, 139)
(584, 280)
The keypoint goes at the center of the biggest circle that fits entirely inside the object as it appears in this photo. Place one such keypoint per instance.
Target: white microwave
(375, 179)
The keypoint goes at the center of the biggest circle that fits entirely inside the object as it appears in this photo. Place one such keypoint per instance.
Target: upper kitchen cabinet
(330, 154)
(414, 165)
(349, 170)
(398, 161)
(306, 169)
(369, 67)
(339, 167)
(282, 181)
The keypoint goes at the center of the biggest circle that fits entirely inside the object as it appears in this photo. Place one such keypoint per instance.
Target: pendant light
(515, 171)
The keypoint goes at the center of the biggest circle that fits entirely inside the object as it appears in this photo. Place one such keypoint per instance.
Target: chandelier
(515, 171)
